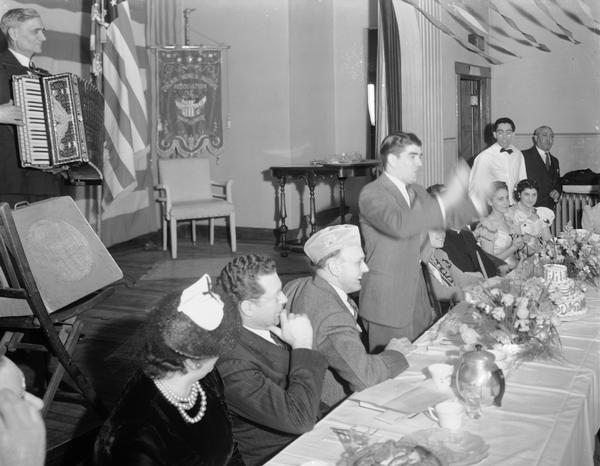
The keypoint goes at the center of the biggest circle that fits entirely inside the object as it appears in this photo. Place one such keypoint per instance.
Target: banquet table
(550, 411)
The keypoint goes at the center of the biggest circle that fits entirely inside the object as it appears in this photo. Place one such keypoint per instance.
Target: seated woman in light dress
(495, 232)
(447, 279)
(530, 221)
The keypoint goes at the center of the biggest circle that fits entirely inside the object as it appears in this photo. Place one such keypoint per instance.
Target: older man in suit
(24, 31)
(339, 260)
(395, 213)
(272, 377)
(543, 168)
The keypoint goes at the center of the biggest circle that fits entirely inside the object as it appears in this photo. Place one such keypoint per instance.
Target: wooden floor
(107, 351)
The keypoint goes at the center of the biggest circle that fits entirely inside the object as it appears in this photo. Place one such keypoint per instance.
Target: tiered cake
(569, 299)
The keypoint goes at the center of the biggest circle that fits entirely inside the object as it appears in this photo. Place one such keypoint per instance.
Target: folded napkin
(401, 396)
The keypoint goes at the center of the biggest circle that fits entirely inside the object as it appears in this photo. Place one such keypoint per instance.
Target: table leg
(282, 216)
(311, 182)
(342, 181)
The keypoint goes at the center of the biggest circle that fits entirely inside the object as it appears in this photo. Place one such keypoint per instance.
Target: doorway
(474, 115)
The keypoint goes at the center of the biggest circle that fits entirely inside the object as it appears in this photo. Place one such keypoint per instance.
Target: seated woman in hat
(173, 411)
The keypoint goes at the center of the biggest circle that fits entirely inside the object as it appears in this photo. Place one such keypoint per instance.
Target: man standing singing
(395, 213)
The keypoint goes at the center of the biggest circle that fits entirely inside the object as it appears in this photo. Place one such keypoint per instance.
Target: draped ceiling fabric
(67, 49)
(511, 30)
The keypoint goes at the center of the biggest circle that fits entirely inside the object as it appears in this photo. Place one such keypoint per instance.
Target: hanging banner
(189, 101)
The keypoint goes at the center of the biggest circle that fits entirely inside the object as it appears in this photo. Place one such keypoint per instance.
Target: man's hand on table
(402, 345)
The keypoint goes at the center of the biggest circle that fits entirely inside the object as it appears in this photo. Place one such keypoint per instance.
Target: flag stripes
(125, 108)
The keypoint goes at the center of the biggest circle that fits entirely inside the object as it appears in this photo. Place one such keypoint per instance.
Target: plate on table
(392, 453)
(459, 448)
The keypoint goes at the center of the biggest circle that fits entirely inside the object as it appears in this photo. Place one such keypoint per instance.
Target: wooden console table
(311, 174)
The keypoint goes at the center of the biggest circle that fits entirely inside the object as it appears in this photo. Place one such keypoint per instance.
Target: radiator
(570, 206)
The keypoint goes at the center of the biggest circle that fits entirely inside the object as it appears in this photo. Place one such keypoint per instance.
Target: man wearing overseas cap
(339, 259)
(395, 213)
(272, 377)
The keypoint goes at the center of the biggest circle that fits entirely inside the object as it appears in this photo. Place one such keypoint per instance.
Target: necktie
(353, 306)
(278, 341)
(509, 151)
(411, 196)
(548, 161)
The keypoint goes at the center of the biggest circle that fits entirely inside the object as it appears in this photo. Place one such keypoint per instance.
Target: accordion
(62, 120)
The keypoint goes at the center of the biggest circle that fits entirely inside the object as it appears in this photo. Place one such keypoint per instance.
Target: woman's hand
(518, 242)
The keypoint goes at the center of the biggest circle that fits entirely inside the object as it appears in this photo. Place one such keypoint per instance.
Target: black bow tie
(510, 151)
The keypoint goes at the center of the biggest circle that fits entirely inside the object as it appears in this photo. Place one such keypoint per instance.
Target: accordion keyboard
(33, 131)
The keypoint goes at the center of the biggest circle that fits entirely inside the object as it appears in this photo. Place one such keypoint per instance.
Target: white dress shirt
(344, 297)
(22, 59)
(492, 165)
(402, 188)
(264, 334)
(542, 154)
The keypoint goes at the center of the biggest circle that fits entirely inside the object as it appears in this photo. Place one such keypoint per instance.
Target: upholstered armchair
(186, 192)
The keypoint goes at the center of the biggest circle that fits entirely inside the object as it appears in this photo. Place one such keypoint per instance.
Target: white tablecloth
(549, 416)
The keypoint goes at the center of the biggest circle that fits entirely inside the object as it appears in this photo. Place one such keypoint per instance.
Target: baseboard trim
(251, 234)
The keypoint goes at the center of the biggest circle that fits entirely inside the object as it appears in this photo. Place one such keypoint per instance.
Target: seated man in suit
(339, 259)
(272, 390)
(463, 251)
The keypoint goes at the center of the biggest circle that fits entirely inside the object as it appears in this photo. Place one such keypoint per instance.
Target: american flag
(125, 117)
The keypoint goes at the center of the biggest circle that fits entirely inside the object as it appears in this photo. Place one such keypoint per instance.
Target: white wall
(295, 90)
(296, 80)
(560, 89)
(256, 93)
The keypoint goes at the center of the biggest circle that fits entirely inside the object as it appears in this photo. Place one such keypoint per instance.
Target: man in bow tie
(24, 32)
(543, 168)
(502, 161)
(339, 260)
(395, 214)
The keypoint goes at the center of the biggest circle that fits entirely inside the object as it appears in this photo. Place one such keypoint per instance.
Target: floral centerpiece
(579, 250)
(520, 315)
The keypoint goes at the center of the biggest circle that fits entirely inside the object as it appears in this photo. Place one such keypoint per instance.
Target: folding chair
(440, 307)
(53, 267)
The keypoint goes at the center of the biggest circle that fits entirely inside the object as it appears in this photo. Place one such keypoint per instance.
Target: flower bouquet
(579, 250)
(520, 316)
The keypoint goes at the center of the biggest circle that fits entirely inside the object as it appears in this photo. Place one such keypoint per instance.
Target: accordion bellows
(62, 120)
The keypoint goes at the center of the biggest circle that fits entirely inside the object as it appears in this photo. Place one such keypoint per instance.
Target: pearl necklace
(185, 403)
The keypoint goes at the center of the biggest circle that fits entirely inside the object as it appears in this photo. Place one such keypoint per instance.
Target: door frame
(484, 75)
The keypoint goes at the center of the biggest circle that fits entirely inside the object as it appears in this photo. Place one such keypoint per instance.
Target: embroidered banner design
(189, 101)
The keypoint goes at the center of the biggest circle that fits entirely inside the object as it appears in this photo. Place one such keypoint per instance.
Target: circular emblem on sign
(60, 249)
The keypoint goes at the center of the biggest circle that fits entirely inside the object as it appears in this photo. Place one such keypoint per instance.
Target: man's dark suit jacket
(461, 247)
(547, 180)
(16, 181)
(273, 394)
